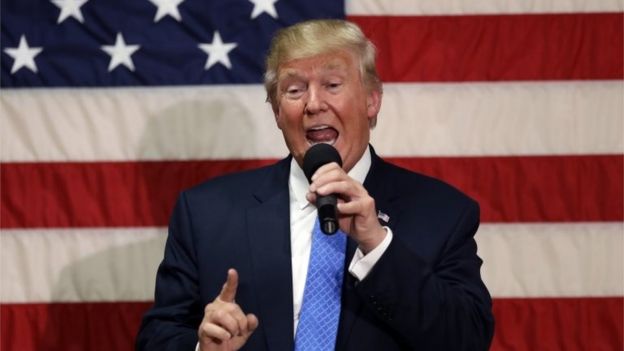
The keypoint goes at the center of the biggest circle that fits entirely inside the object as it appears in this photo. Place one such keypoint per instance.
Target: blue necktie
(320, 311)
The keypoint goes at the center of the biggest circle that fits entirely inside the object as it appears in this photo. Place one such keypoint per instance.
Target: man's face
(322, 99)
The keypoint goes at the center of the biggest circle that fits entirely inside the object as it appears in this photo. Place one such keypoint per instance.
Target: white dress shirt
(302, 217)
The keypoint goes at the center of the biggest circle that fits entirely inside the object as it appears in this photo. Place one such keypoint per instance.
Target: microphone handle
(328, 216)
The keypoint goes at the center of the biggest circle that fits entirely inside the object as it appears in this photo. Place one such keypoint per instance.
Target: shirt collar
(298, 183)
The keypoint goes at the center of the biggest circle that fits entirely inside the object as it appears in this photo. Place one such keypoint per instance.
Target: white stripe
(226, 122)
(462, 7)
(550, 260)
(80, 264)
(138, 124)
(483, 119)
(522, 260)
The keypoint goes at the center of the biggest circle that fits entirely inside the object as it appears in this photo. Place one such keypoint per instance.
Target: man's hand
(356, 208)
(225, 327)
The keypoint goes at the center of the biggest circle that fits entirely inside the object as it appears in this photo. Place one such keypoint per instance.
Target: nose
(316, 101)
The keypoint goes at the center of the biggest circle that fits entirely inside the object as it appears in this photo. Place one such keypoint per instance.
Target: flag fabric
(109, 108)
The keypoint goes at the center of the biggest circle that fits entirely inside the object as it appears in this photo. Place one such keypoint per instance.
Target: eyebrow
(333, 66)
(291, 73)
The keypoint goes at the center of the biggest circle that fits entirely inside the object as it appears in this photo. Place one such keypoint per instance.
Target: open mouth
(321, 134)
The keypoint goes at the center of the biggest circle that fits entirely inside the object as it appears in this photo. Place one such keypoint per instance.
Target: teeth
(330, 142)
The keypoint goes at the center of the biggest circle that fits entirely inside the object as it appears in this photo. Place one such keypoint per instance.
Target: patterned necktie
(320, 311)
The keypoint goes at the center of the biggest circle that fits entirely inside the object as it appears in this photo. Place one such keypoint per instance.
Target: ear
(373, 103)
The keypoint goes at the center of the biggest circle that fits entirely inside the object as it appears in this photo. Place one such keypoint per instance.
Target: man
(241, 248)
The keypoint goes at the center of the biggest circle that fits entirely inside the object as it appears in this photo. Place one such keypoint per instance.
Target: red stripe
(559, 324)
(534, 189)
(103, 194)
(497, 47)
(521, 324)
(70, 326)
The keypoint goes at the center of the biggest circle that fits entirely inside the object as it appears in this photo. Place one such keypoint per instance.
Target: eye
(333, 86)
(294, 91)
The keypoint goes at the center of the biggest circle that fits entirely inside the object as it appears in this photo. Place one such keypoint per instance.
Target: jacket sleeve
(433, 304)
(171, 324)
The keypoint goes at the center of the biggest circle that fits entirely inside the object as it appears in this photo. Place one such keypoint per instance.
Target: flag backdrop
(110, 107)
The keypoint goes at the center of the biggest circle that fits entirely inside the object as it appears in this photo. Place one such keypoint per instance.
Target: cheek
(354, 112)
(287, 120)
(290, 112)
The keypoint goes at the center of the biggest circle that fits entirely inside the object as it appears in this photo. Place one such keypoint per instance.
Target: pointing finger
(228, 293)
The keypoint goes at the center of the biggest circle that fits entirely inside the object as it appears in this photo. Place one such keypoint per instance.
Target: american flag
(109, 108)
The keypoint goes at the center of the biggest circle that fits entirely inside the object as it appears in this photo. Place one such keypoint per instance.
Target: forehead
(335, 62)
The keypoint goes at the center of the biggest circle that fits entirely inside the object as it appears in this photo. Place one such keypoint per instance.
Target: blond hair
(315, 37)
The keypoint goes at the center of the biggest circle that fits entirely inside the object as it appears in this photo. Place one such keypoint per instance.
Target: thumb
(252, 325)
(252, 322)
(228, 292)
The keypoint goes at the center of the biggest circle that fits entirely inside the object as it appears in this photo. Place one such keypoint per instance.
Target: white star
(167, 7)
(23, 56)
(120, 53)
(261, 6)
(69, 8)
(217, 51)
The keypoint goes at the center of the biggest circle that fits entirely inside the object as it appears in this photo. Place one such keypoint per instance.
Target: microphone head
(318, 155)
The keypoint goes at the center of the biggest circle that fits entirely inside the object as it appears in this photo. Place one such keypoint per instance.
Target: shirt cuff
(197, 346)
(362, 264)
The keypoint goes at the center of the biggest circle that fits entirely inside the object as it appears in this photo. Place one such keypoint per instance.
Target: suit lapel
(381, 189)
(268, 230)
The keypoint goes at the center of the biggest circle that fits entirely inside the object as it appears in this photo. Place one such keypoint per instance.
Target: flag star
(261, 6)
(23, 55)
(120, 53)
(69, 8)
(217, 51)
(167, 7)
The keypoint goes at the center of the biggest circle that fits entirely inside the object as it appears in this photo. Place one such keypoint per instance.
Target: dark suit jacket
(424, 293)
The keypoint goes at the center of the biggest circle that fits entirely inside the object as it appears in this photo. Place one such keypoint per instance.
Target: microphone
(315, 157)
